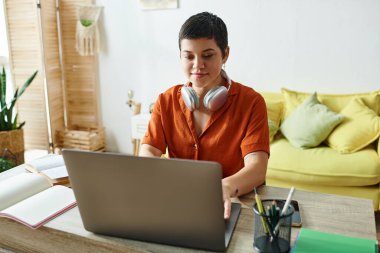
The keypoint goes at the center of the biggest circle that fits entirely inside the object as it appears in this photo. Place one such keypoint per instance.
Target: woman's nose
(198, 63)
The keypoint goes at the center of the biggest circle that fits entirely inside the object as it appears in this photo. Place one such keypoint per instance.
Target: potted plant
(11, 133)
(6, 164)
(7, 160)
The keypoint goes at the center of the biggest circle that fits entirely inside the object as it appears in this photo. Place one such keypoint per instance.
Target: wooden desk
(330, 213)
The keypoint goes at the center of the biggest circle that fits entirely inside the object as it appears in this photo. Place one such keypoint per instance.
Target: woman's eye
(189, 57)
(208, 55)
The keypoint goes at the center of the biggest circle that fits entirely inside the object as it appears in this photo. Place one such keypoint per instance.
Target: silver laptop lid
(170, 201)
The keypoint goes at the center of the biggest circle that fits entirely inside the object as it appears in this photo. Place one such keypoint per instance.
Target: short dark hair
(205, 25)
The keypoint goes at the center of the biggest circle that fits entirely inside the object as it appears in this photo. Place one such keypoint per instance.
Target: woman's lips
(198, 75)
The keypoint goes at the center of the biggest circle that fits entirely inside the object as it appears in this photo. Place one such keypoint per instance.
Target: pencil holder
(266, 237)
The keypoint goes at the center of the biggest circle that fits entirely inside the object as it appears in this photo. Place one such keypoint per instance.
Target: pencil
(262, 212)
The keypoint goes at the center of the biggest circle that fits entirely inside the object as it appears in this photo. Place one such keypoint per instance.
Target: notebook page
(47, 162)
(19, 187)
(42, 207)
(55, 173)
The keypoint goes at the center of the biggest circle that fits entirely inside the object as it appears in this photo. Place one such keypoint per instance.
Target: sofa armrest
(378, 147)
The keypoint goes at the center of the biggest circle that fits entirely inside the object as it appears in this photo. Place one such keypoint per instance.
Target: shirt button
(195, 146)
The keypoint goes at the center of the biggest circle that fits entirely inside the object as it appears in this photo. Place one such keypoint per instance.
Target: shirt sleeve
(155, 135)
(257, 134)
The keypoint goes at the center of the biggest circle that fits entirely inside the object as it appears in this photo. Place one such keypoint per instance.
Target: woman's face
(202, 62)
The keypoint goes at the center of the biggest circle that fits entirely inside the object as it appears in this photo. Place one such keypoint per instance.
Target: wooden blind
(53, 72)
(80, 72)
(26, 57)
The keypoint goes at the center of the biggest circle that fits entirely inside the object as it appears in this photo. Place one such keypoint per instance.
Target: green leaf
(5, 120)
(21, 125)
(2, 121)
(14, 123)
(27, 83)
(3, 88)
(9, 119)
(10, 122)
(6, 114)
(13, 102)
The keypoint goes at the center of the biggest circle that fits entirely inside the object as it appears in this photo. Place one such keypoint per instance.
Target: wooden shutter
(26, 57)
(80, 72)
(52, 65)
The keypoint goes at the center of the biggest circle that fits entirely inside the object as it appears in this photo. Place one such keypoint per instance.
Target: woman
(211, 117)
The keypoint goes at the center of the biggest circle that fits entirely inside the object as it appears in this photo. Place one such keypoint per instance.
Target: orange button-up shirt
(238, 128)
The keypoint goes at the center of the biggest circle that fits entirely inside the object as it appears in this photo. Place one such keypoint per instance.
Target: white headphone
(212, 101)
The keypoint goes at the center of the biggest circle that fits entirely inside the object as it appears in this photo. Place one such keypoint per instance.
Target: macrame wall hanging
(87, 34)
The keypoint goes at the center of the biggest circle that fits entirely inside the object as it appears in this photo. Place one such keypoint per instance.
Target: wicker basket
(84, 139)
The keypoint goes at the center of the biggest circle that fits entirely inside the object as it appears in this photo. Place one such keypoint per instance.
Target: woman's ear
(226, 54)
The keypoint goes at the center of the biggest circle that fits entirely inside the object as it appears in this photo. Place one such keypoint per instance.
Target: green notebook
(311, 241)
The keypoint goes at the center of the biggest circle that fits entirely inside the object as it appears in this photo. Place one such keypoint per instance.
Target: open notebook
(169, 201)
(30, 199)
(52, 167)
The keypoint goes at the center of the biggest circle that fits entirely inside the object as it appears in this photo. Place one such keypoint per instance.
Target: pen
(274, 214)
(284, 209)
(270, 217)
(261, 211)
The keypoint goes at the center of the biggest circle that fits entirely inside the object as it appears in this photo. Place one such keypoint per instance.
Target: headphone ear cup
(190, 98)
(215, 98)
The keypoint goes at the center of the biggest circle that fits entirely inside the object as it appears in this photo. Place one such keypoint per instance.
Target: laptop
(169, 201)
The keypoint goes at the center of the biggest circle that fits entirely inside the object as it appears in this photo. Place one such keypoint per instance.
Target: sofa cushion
(336, 102)
(272, 129)
(310, 123)
(272, 96)
(274, 109)
(323, 165)
(360, 128)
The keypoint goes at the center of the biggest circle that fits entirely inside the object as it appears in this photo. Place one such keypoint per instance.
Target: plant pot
(12, 145)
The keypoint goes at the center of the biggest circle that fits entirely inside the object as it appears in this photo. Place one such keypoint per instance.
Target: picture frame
(158, 4)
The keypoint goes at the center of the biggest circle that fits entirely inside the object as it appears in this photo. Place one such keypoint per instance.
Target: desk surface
(323, 212)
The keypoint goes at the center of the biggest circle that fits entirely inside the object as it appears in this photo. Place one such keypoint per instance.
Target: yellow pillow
(360, 128)
(273, 129)
(274, 109)
(336, 102)
(310, 123)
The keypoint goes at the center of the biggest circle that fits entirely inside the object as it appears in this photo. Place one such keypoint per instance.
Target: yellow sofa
(322, 168)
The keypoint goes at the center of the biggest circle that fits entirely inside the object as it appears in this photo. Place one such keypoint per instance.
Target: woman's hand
(251, 175)
(227, 194)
